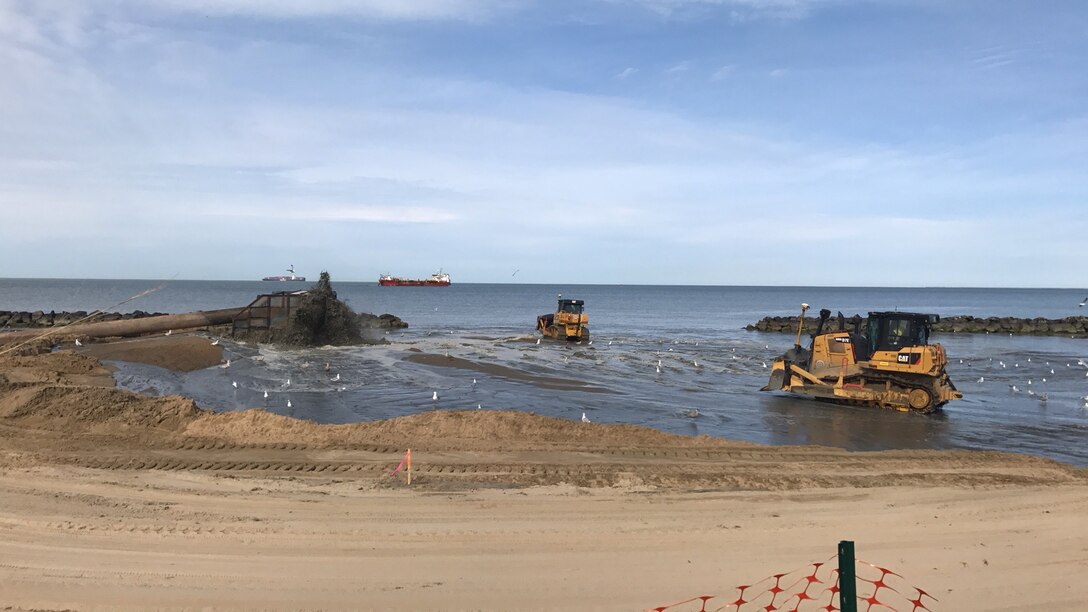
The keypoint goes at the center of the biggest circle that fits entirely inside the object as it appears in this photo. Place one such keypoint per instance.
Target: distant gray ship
(291, 277)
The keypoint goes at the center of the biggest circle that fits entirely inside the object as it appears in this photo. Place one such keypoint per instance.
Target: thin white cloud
(627, 72)
(723, 73)
(679, 68)
(994, 58)
(738, 9)
(394, 10)
(306, 212)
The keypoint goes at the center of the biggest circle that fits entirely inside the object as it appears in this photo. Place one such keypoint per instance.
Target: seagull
(1044, 380)
(1051, 370)
(479, 406)
(288, 403)
(694, 363)
(1001, 363)
(234, 384)
(226, 365)
(215, 342)
(609, 343)
(1083, 302)
(658, 369)
(168, 332)
(327, 367)
(659, 363)
(692, 414)
(78, 343)
(288, 383)
(337, 378)
(538, 340)
(474, 381)
(1042, 398)
(585, 419)
(1029, 381)
(764, 363)
(434, 396)
(981, 379)
(1014, 389)
(266, 394)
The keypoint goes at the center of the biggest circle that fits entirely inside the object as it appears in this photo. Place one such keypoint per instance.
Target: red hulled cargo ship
(438, 279)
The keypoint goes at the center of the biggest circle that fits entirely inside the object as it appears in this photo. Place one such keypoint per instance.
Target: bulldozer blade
(777, 381)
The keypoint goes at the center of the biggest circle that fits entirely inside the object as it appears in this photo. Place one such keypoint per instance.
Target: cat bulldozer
(568, 321)
(890, 363)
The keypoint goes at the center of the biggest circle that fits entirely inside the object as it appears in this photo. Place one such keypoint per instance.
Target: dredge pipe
(130, 327)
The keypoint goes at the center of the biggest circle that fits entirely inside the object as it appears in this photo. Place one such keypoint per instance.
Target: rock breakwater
(10, 319)
(960, 324)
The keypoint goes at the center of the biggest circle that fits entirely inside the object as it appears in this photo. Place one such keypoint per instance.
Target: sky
(707, 142)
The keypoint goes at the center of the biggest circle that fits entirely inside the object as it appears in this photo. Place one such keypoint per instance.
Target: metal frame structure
(267, 312)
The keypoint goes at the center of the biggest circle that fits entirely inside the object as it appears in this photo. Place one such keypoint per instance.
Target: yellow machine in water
(890, 364)
(568, 321)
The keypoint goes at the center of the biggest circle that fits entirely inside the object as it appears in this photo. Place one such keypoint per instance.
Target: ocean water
(633, 328)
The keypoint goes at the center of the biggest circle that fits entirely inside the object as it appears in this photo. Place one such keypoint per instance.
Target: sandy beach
(109, 500)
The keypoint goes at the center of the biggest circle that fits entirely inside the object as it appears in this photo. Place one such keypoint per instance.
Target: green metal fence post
(848, 587)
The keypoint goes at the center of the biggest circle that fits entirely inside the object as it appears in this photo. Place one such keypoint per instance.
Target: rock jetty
(960, 324)
(385, 321)
(10, 319)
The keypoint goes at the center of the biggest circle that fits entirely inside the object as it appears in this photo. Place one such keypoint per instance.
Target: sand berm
(111, 500)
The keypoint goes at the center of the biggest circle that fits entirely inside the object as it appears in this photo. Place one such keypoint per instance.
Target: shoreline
(169, 505)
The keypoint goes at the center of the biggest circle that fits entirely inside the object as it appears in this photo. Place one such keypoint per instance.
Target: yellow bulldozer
(569, 321)
(890, 363)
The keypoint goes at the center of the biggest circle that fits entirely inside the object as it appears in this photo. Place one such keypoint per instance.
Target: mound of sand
(442, 429)
(94, 408)
(59, 368)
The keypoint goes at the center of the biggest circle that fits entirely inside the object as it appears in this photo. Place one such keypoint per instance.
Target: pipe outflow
(130, 327)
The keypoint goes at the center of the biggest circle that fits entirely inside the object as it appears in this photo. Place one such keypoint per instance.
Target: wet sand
(182, 353)
(544, 382)
(112, 500)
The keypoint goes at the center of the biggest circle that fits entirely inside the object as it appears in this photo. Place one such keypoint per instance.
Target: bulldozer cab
(574, 307)
(892, 331)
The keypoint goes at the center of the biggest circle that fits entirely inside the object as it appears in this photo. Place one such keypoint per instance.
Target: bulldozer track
(729, 468)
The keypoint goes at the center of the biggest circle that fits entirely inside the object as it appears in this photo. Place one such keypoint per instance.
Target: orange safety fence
(815, 587)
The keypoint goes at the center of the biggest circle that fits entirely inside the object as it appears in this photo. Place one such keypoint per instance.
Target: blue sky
(781, 142)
